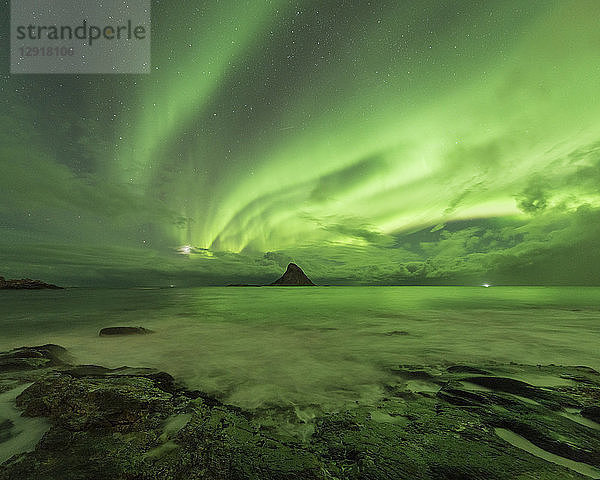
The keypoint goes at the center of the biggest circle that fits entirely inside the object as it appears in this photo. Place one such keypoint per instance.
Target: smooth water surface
(308, 345)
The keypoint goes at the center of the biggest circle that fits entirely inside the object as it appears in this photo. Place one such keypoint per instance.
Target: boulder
(124, 331)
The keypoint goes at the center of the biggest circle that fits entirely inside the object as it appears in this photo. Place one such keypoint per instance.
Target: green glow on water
(331, 345)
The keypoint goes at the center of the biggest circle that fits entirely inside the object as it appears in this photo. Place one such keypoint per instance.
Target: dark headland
(25, 284)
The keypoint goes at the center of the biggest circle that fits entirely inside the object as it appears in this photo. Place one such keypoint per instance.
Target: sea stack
(293, 276)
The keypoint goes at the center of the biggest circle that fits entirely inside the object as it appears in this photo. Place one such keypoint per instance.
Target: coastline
(137, 421)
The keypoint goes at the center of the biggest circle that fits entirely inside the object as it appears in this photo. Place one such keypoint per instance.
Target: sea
(326, 346)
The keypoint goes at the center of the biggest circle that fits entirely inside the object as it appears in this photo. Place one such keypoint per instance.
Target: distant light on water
(485, 285)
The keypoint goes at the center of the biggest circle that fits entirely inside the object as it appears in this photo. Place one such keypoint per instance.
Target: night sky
(382, 142)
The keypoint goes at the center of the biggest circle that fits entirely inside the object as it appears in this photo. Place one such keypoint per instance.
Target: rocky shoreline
(26, 284)
(462, 422)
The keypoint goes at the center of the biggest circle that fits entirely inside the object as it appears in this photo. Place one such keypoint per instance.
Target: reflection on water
(326, 345)
(18, 434)
(524, 444)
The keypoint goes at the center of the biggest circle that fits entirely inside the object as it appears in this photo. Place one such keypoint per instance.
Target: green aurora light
(371, 142)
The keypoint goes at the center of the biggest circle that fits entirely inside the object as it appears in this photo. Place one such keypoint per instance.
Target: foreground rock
(33, 358)
(124, 331)
(25, 284)
(293, 276)
(433, 423)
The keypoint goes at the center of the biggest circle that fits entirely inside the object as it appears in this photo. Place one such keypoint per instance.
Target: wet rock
(503, 384)
(124, 331)
(5, 427)
(467, 369)
(117, 423)
(436, 443)
(163, 380)
(463, 398)
(546, 397)
(31, 358)
(413, 372)
(138, 423)
(118, 404)
(593, 413)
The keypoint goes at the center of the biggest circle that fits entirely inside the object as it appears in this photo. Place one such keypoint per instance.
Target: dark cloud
(277, 258)
(348, 178)
(358, 229)
(532, 199)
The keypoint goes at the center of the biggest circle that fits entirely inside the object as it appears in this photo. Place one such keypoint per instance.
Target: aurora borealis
(378, 142)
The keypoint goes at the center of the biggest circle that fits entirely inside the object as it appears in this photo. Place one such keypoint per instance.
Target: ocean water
(330, 346)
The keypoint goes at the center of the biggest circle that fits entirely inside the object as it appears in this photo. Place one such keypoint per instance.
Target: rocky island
(293, 276)
(25, 284)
